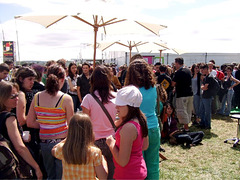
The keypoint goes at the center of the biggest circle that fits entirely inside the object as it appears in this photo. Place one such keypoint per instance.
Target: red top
(136, 167)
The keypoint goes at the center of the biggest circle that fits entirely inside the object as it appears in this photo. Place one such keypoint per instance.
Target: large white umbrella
(126, 44)
(98, 21)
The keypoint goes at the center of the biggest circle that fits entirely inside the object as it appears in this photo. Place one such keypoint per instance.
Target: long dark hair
(71, 75)
(140, 74)
(168, 104)
(135, 112)
(100, 81)
(55, 72)
(22, 73)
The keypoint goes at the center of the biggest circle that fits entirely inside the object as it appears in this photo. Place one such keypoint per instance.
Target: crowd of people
(86, 123)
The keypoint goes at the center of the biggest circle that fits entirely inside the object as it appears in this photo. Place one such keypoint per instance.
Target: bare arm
(102, 170)
(79, 94)
(15, 137)
(173, 84)
(68, 106)
(72, 88)
(204, 87)
(85, 110)
(145, 143)
(21, 109)
(31, 117)
(127, 135)
(236, 82)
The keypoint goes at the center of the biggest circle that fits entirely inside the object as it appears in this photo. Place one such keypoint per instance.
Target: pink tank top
(136, 167)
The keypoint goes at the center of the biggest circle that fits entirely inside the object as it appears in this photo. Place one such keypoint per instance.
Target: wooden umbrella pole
(160, 58)
(130, 51)
(95, 47)
(95, 41)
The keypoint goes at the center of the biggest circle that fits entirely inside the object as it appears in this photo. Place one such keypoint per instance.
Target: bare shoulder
(67, 96)
(129, 130)
(21, 95)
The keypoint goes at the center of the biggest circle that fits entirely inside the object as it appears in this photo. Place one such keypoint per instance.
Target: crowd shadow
(236, 148)
(227, 119)
(208, 134)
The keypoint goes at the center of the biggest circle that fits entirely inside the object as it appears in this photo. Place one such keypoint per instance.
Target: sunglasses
(13, 96)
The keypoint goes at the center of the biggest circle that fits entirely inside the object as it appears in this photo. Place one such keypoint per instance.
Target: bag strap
(104, 110)
(158, 100)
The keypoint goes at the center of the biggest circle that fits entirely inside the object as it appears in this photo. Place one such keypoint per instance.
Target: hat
(128, 95)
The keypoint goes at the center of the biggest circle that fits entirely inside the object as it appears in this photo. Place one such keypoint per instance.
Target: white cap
(128, 95)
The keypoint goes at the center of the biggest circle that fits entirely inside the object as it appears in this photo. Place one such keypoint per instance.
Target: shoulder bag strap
(104, 110)
(158, 108)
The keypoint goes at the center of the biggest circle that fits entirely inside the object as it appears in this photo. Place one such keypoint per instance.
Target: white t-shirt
(213, 73)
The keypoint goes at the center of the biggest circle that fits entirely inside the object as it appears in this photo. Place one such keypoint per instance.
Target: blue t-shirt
(148, 106)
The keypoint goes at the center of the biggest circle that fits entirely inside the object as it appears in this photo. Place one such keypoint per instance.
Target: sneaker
(161, 149)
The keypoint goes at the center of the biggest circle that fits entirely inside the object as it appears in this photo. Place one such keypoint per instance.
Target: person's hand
(39, 173)
(110, 141)
(26, 136)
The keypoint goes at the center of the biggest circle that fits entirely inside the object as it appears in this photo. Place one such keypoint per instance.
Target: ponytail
(55, 72)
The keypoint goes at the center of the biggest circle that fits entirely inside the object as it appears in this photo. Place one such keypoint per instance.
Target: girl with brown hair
(101, 87)
(80, 158)
(50, 112)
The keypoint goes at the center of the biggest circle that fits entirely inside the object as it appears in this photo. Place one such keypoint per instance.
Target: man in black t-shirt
(207, 96)
(184, 96)
(83, 82)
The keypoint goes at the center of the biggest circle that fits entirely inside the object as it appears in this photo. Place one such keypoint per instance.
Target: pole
(3, 36)
(167, 58)
(130, 53)
(95, 41)
(17, 42)
(160, 58)
(205, 57)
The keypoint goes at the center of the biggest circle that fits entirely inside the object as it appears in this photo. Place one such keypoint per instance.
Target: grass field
(214, 159)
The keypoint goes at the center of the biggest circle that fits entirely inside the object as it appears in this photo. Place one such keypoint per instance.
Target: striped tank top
(52, 121)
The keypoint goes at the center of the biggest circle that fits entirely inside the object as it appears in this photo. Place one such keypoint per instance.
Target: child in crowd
(80, 158)
(131, 136)
(171, 131)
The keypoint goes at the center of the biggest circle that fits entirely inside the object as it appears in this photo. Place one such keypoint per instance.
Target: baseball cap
(128, 95)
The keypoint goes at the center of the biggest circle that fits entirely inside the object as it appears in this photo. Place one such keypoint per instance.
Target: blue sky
(193, 25)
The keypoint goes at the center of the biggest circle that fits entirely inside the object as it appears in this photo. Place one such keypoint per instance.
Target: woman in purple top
(131, 136)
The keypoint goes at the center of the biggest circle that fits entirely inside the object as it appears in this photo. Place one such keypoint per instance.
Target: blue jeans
(52, 165)
(196, 104)
(205, 112)
(76, 103)
(151, 155)
(227, 98)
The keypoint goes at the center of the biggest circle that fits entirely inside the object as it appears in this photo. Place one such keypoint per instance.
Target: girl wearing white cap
(140, 74)
(131, 136)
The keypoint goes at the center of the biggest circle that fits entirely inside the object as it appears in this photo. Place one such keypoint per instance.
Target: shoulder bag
(105, 111)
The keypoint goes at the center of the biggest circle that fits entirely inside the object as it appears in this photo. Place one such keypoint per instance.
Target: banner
(9, 51)
(156, 59)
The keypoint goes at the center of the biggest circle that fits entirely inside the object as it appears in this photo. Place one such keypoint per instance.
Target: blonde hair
(80, 137)
(6, 90)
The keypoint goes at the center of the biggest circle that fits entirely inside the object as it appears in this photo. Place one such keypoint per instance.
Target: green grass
(214, 159)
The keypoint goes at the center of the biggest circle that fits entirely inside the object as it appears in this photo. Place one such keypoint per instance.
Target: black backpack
(8, 163)
(215, 86)
(12, 165)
